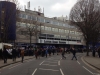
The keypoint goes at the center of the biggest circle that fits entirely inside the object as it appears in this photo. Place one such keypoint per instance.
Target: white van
(2, 45)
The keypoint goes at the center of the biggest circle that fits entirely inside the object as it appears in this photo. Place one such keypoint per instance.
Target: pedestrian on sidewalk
(22, 54)
(1, 55)
(63, 53)
(5, 54)
(14, 53)
(74, 53)
(93, 51)
(99, 52)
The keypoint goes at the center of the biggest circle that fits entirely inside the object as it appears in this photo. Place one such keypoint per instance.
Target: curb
(14, 62)
(90, 63)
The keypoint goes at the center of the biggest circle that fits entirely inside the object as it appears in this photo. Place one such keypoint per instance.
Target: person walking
(99, 52)
(5, 54)
(46, 52)
(22, 54)
(63, 53)
(36, 53)
(93, 51)
(49, 51)
(39, 53)
(53, 51)
(74, 53)
(14, 53)
(1, 55)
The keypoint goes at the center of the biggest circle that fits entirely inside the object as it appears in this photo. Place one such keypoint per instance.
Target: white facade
(52, 30)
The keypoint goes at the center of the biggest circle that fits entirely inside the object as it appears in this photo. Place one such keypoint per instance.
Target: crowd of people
(13, 53)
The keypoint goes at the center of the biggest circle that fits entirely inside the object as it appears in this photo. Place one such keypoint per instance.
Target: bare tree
(86, 15)
(13, 13)
(33, 28)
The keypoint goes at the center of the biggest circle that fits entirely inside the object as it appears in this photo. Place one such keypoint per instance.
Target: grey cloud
(47, 4)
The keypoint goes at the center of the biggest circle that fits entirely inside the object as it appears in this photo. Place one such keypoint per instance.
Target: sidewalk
(10, 61)
(93, 61)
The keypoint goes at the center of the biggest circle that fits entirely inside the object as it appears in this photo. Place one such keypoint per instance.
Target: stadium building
(49, 31)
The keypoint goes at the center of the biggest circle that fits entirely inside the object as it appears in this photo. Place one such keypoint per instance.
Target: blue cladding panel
(10, 18)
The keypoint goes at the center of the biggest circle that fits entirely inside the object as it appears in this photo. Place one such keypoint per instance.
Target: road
(53, 65)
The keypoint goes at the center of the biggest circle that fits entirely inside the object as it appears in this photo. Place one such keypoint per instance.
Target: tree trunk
(87, 48)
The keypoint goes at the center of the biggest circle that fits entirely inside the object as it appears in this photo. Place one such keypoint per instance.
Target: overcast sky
(52, 8)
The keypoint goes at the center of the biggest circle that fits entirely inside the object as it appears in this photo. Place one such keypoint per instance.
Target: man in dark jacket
(74, 53)
(5, 53)
(14, 53)
(63, 53)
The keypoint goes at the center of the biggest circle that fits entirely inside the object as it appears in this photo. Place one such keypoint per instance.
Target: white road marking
(14, 66)
(48, 69)
(78, 62)
(50, 62)
(58, 62)
(87, 70)
(49, 65)
(89, 65)
(41, 63)
(34, 71)
(61, 72)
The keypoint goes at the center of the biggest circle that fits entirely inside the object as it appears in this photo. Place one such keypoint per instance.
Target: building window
(78, 38)
(64, 25)
(47, 21)
(34, 18)
(74, 39)
(47, 28)
(55, 22)
(60, 24)
(56, 29)
(56, 36)
(23, 16)
(42, 20)
(66, 31)
(29, 17)
(72, 32)
(67, 26)
(42, 27)
(38, 19)
(53, 29)
(61, 30)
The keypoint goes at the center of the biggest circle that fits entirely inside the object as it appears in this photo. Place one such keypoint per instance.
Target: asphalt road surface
(53, 65)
